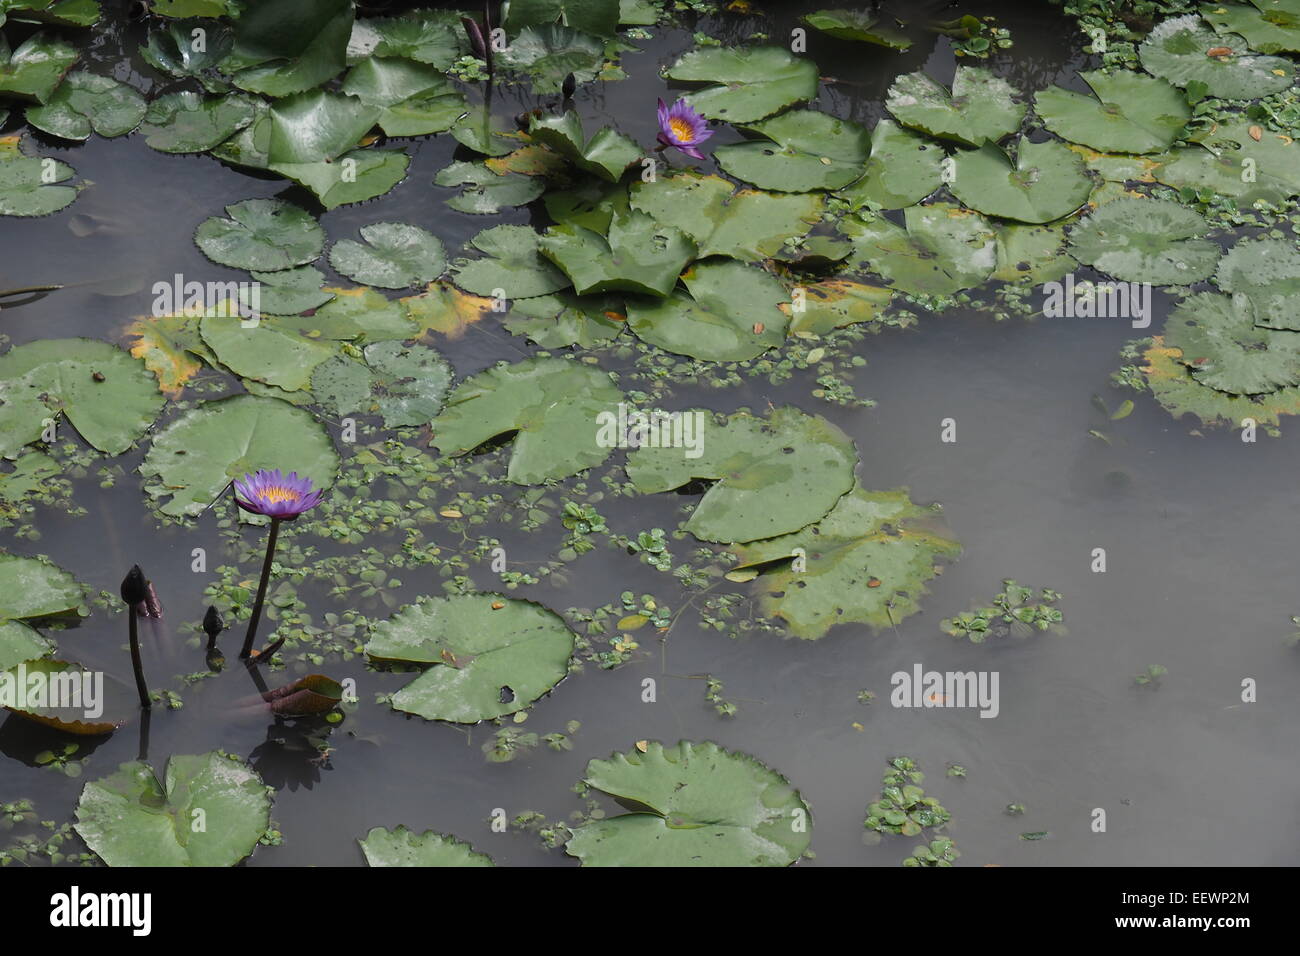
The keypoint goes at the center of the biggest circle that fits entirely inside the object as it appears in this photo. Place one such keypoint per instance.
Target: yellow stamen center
(681, 129)
(276, 494)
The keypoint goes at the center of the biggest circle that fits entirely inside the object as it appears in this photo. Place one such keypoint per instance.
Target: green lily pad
(836, 303)
(591, 204)
(639, 255)
(318, 126)
(941, 249)
(771, 475)
(1045, 181)
(607, 154)
(1178, 391)
(1178, 50)
(729, 312)
(28, 183)
(396, 256)
(84, 103)
(1225, 350)
(512, 265)
(486, 191)
(414, 98)
(19, 643)
(189, 122)
(32, 588)
(108, 396)
(489, 655)
(866, 562)
(64, 13)
(173, 49)
(745, 224)
(195, 8)
(33, 70)
(70, 715)
(1269, 26)
(487, 134)
(857, 25)
(597, 17)
(698, 805)
(1127, 113)
(902, 170)
(560, 320)
(260, 352)
(132, 818)
(750, 82)
(284, 47)
(266, 234)
(405, 384)
(195, 457)
(1266, 271)
(547, 54)
(354, 177)
(800, 150)
(435, 37)
(289, 291)
(1230, 162)
(981, 107)
(1146, 240)
(1032, 254)
(358, 315)
(403, 847)
(551, 405)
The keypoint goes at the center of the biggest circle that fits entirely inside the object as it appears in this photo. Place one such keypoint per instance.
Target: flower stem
(136, 663)
(261, 590)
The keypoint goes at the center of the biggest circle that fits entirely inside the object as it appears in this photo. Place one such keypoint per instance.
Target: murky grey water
(1199, 546)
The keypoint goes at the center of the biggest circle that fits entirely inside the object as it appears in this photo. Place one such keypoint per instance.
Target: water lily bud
(475, 34)
(134, 587)
(212, 622)
(570, 84)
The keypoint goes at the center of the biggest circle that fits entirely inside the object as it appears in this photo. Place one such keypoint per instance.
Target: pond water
(1193, 523)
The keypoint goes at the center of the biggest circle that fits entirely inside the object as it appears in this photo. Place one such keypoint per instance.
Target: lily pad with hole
(835, 303)
(1146, 240)
(639, 255)
(435, 37)
(799, 151)
(607, 154)
(29, 184)
(32, 70)
(108, 396)
(980, 107)
(749, 83)
(550, 405)
(903, 169)
(415, 99)
(354, 177)
(1266, 271)
(729, 312)
(512, 265)
(1045, 181)
(194, 459)
(770, 475)
(1126, 113)
(858, 25)
(33, 588)
(67, 697)
(1184, 50)
(134, 818)
(866, 562)
(1219, 341)
(1269, 26)
(488, 655)
(86, 102)
(941, 249)
(564, 319)
(19, 643)
(284, 47)
(402, 847)
(190, 122)
(395, 255)
(265, 234)
(486, 191)
(262, 353)
(404, 384)
(745, 224)
(694, 804)
(1231, 162)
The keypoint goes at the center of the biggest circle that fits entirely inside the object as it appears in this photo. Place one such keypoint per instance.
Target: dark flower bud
(212, 622)
(570, 84)
(134, 587)
(475, 34)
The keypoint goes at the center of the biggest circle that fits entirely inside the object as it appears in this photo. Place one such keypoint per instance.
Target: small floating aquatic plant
(279, 497)
(682, 128)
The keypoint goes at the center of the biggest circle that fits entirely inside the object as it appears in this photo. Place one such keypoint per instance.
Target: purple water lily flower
(276, 495)
(682, 128)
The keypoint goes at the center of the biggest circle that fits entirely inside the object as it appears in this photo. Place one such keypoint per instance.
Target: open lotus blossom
(276, 495)
(682, 128)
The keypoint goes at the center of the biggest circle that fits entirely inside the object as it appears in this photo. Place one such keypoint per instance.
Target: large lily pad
(31, 588)
(552, 406)
(132, 818)
(1032, 254)
(1266, 271)
(19, 643)
(172, 49)
(866, 562)
(771, 475)
(607, 154)
(548, 54)
(261, 352)
(489, 655)
(750, 82)
(1127, 113)
(403, 847)
(405, 384)
(902, 170)
(266, 234)
(354, 177)
(836, 303)
(435, 37)
(597, 17)
(729, 312)
(1180, 393)
(698, 805)
(396, 255)
(981, 107)
(1231, 162)
(199, 454)
(858, 25)
(800, 150)
(940, 250)
(639, 255)
(1269, 26)
(563, 319)
(487, 191)
(28, 187)
(289, 291)
(1179, 50)
(109, 397)
(1146, 240)
(512, 265)
(357, 315)
(189, 122)
(86, 102)
(746, 224)
(414, 98)
(317, 126)
(1044, 182)
(33, 69)
(1219, 341)
(289, 46)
